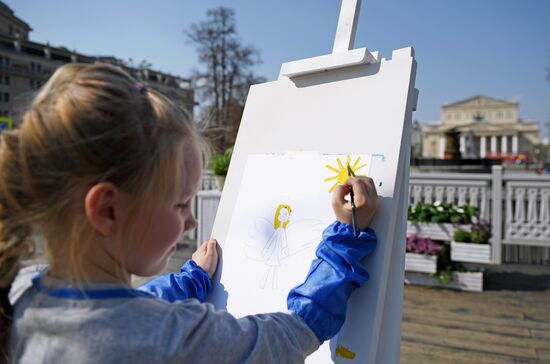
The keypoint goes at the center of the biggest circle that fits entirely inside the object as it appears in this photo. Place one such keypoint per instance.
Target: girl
(104, 170)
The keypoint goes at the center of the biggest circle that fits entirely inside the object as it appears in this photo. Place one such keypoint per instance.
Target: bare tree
(222, 85)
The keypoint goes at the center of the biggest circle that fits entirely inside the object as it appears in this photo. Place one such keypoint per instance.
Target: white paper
(263, 261)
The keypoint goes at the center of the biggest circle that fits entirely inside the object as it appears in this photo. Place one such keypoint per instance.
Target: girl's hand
(365, 198)
(206, 256)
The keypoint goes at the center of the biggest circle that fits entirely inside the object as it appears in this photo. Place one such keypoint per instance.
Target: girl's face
(169, 220)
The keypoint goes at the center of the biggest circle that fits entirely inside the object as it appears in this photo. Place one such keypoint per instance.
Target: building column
(504, 144)
(482, 147)
(515, 145)
(462, 145)
(442, 147)
(494, 145)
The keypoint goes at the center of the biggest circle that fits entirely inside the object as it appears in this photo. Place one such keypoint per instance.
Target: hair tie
(139, 86)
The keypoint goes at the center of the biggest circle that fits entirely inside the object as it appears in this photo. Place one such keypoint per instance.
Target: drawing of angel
(282, 238)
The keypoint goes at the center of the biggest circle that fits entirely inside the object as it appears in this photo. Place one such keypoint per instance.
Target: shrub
(219, 163)
(480, 233)
(446, 267)
(462, 236)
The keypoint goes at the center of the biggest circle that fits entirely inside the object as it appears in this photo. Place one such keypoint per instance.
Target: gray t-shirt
(146, 330)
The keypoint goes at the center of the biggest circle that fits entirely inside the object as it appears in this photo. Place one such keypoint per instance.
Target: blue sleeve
(191, 282)
(322, 299)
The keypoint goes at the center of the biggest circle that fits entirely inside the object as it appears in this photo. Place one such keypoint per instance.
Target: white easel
(350, 101)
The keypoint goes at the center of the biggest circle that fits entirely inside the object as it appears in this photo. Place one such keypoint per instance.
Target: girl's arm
(199, 334)
(194, 279)
(191, 282)
(322, 299)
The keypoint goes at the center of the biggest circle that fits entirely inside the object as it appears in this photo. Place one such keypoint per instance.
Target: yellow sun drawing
(342, 171)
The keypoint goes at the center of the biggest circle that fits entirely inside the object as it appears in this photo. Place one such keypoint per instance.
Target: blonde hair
(276, 222)
(88, 124)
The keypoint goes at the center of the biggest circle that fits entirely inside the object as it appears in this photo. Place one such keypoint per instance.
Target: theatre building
(480, 127)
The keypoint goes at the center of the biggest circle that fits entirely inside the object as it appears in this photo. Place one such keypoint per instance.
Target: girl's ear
(100, 205)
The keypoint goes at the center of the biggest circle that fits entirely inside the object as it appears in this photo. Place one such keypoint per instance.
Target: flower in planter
(440, 212)
(478, 234)
(420, 245)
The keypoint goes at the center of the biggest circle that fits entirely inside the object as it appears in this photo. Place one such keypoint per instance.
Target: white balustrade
(527, 213)
(521, 225)
(517, 205)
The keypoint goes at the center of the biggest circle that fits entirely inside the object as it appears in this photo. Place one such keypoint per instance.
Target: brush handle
(353, 222)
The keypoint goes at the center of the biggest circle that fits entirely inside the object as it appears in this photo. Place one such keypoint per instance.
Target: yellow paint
(342, 171)
(344, 353)
(277, 218)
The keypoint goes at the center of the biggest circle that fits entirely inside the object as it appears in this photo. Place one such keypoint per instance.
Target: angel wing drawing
(274, 241)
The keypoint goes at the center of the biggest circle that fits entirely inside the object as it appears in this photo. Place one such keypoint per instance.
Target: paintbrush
(353, 222)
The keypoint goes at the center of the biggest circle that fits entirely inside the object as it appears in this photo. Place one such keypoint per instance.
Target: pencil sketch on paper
(275, 241)
(342, 170)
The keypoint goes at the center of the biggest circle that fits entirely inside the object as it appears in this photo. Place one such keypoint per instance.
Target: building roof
(6, 9)
(480, 100)
(66, 54)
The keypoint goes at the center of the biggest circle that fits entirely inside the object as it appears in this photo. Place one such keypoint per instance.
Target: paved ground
(499, 325)
(443, 326)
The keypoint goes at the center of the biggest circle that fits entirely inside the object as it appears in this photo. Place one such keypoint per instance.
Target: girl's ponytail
(14, 232)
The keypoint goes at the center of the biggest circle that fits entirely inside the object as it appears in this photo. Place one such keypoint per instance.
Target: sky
(464, 48)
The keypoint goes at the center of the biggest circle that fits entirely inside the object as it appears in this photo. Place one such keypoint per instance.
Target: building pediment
(479, 101)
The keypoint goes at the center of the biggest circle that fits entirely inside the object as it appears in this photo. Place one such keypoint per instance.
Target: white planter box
(420, 263)
(468, 252)
(443, 231)
(467, 281)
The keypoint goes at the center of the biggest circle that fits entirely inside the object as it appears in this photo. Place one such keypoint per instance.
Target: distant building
(416, 140)
(25, 65)
(480, 127)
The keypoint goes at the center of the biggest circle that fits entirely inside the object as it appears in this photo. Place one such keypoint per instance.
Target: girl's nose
(190, 223)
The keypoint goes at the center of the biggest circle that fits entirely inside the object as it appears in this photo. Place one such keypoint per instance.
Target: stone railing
(205, 208)
(526, 221)
(516, 204)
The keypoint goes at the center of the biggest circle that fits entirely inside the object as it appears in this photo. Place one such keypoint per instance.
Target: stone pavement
(502, 325)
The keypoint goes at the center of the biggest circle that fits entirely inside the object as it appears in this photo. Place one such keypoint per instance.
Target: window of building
(7, 80)
(499, 115)
(6, 97)
(36, 67)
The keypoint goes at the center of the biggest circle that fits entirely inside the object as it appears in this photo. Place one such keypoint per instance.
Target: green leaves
(439, 212)
(219, 163)
(478, 234)
(462, 236)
